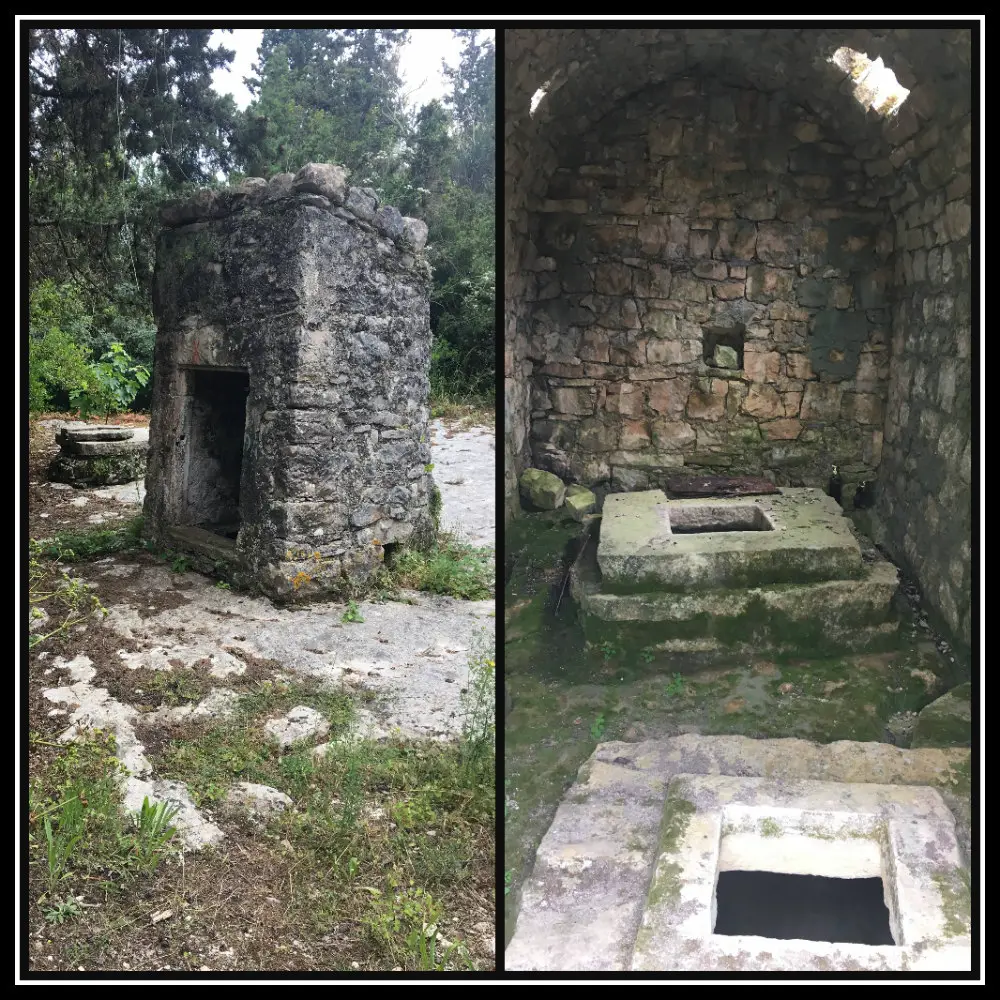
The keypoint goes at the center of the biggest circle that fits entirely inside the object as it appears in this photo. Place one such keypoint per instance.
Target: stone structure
(717, 260)
(99, 455)
(625, 878)
(289, 430)
(733, 576)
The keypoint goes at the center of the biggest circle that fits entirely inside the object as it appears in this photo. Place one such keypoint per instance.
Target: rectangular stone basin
(903, 836)
(650, 543)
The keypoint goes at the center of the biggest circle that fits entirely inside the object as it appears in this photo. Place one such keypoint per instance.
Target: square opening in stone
(692, 520)
(216, 422)
(715, 337)
(802, 907)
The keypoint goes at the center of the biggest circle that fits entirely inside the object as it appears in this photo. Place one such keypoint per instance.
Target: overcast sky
(419, 64)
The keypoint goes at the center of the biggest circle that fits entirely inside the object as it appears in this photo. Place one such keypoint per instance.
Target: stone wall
(923, 512)
(700, 216)
(668, 190)
(293, 322)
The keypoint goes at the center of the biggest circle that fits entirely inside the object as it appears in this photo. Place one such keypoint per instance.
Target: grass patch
(81, 546)
(451, 568)
(78, 831)
(57, 601)
(385, 860)
(468, 413)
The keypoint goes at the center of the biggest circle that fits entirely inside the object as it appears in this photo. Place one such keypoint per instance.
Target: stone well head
(289, 436)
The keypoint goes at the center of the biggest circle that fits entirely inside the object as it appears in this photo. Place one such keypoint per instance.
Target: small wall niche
(716, 337)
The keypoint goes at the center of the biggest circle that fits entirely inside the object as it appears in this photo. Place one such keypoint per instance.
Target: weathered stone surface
(326, 179)
(298, 723)
(581, 503)
(259, 801)
(946, 721)
(638, 549)
(543, 489)
(290, 391)
(583, 906)
(389, 222)
(362, 202)
(669, 176)
(725, 357)
(414, 233)
(93, 432)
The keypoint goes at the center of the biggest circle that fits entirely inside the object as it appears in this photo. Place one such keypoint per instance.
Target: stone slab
(100, 449)
(865, 600)
(903, 834)
(583, 904)
(95, 432)
(805, 538)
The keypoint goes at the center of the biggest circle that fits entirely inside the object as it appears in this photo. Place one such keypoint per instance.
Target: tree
(119, 119)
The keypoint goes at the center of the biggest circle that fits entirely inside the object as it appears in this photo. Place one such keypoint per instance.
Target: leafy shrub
(55, 364)
(111, 385)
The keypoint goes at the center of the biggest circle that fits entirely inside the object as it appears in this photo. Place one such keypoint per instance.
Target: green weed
(352, 614)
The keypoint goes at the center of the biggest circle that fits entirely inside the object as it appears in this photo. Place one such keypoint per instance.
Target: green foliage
(78, 827)
(81, 546)
(63, 911)
(55, 364)
(598, 726)
(352, 614)
(477, 746)
(112, 384)
(449, 568)
(675, 687)
(56, 600)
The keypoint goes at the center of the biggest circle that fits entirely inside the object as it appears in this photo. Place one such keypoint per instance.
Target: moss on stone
(955, 888)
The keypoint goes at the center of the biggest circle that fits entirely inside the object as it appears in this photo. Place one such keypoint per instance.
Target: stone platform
(782, 573)
(651, 543)
(100, 455)
(625, 877)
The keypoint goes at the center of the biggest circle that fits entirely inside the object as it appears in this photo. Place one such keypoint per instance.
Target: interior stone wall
(656, 157)
(695, 211)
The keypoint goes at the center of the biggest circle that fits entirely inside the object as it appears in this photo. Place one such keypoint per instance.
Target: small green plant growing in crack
(646, 654)
(608, 650)
(352, 614)
(597, 729)
(506, 882)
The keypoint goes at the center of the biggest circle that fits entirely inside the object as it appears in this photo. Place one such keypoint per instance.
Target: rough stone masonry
(718, 261)
(289, 433)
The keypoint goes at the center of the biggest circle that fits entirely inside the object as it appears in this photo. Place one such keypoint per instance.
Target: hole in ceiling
(875, 85)
(536, 97)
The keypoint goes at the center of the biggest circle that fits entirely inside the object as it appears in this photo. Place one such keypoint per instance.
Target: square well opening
(802, 907)
(213, 458)
(703, 519)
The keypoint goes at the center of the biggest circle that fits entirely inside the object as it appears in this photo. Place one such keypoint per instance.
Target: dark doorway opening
(217, 406)
(807, 907)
